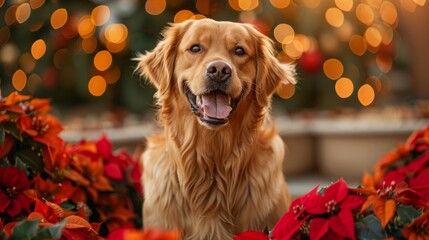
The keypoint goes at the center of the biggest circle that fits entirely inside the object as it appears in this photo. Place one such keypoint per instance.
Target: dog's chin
(213, 108)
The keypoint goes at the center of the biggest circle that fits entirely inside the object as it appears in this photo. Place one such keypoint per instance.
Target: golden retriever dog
(216, 168)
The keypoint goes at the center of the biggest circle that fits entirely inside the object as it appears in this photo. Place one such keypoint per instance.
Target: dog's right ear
(158, 64)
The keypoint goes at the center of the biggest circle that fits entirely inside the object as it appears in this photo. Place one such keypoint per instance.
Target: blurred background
(362, 70)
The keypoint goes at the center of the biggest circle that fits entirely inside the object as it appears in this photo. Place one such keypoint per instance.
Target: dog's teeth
(199, 101)
(229, 101)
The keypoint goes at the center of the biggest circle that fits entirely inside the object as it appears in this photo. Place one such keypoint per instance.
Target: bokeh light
(116, 33)
(23, 12)
(89, 44)
(358, 45)
(34, 82)
(60, 56)
(388, 12)
(373, 36)
(155, 7)
(345, 5)
(311, 3)
(35, 4)
(19, 80)
(294, 49)
(365, 14)
(344, 87)
(100, 15)
(4, 35)
(9, 15)
(366, 95)
(247, 5)
(85, 27)
(383, 63)
(284, 33)
(333, 68)
(38, 49)
(102, 60)
(334, 17)
(97, 86)
(27, 62)
(280, 3)
(183, 15)
(59, 18)
(286, 91)
(112, 75)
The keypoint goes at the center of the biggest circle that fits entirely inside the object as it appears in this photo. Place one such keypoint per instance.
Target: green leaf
(19, 164)
(31, 160)
(407, 214)
(12, 129)
(369, 228)
(2, 134)
(56, 230)
(26, 229)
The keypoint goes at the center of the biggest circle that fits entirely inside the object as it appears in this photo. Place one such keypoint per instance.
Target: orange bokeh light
(85, 27)
(97, 86)
(19, 80)
(59, 18)
(344, 87)
(286, 91)
(155, 7)
(345, 5)
(38, 49)
(116, 33)
(334, 17)
(358, 45)
(23, 12)
(284, 33)
(333, 68)
(36, 3)
(103, 60)
(365, 14)
(280, 3)
(89, 44)
(183, 15)
(100, 15)
(366, 95)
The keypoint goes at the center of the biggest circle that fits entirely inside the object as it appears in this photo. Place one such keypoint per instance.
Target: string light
(100, 15)
(284, 33)
(366, 95)
(280, 3)
(102, 60)
(97, 86)
(334, 17)
(286, 91)
(345, 5)
(183, 15)
(344, 87)
(85, 27)
(333, 68)
(358, 45)
(23, 12)
(19, 80)
(59, 18)
(155, 7)
(35, 4)
(246, 5)
(38, 49)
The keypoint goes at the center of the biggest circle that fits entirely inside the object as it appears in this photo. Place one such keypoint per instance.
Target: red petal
(337, 191)
(104, 147)
(315, 205)
(113, 171)
(4, 201)
(352, 202)
(319, 227)
(251, 235)
(343, 224)
(287, 226)
(14, 208)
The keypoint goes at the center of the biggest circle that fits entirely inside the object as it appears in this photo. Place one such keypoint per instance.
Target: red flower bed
(50, 189)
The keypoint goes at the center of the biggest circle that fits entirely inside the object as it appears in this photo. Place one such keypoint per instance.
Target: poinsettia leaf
(31, 160)
(12, 129)
(369, 228)
(251, 235)
(406, 214)
(319, 227)
(384, 210)
(2, 134)
(26, 229)
(56, 230)
(343, 224)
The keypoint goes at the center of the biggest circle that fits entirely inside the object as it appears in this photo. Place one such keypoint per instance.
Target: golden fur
(214, 181)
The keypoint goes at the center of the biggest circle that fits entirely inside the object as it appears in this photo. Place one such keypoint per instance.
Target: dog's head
(214, 66)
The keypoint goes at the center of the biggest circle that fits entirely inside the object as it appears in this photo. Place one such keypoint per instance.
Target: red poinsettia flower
(76, 227)
(4, 117)
(9, 103)
(37, 105)
(6, 145)
(419, 141)
(42, 128)
(115, 210)
(251, 235)
(337, 204)
(56, 161)
(56, 192)
(292, 221)
(418, 229)
(13, 184)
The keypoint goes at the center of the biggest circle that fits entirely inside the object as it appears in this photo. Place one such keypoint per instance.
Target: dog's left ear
(157, 65)
(271, 72)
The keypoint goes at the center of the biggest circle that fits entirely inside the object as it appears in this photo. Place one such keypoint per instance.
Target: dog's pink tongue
(215, 105)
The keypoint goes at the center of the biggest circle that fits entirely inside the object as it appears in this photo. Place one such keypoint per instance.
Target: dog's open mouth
(214, 108)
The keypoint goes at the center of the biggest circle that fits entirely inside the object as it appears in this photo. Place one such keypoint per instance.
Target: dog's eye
(195, 48)
(239, 51)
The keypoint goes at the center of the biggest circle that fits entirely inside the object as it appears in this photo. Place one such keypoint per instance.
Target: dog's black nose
(218, 71)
